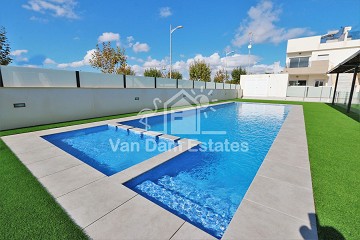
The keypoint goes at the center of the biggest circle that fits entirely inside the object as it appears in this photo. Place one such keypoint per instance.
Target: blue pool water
(93, 146)
(206, 187)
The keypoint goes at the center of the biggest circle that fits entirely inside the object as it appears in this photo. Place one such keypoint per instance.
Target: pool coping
(94, 200)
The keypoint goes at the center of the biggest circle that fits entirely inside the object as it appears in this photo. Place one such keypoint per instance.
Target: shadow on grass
(323, 232)
(353, 115)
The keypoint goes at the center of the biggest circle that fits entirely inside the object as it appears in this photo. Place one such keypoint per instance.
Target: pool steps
(158, 134)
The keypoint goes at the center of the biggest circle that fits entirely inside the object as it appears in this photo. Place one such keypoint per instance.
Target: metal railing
(309, 92)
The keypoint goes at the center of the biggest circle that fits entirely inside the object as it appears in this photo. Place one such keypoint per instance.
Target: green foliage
(127, 71)
(5, 49)
(174, 75)
(236, 73)
(200, 71)
(110, 60)
(219, 76)
(152, 72)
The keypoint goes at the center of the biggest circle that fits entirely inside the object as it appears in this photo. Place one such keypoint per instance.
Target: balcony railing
(313, 67)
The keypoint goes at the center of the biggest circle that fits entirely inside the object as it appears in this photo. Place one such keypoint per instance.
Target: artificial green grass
(28, 211)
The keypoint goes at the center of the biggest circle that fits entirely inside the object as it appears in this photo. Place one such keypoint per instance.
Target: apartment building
(308, 59)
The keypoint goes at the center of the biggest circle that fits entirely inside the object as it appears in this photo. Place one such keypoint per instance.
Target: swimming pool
(204, 185)
(110, 149)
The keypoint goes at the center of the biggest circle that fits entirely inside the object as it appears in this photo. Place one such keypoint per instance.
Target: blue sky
(61, 34)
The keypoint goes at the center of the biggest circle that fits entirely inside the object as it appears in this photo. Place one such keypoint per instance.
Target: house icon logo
(182, 122)
(178, 121)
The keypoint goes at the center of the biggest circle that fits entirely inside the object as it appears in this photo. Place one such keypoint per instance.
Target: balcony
(314, 67)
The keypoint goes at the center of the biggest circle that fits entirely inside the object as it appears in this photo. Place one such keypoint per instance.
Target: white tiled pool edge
(106, 209)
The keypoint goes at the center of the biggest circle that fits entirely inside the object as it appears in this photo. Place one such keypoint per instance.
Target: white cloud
(49, 61)
(18, 53)
(263, 68)
(109, 37)
(165, 12)
(261, 22)
(84, 62)
(140, 47)
(56, 8)
(37, 19)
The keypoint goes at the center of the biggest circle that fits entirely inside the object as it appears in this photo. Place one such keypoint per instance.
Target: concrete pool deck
(278, 205)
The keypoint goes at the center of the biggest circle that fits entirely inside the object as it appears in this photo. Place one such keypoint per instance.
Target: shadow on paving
(323, 232)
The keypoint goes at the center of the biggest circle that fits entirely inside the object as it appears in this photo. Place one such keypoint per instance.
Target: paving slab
(169, 137)
(254, 221)
(30, 144)
(279, 195)
(190, 232)
(39, 155)
(53, 165)
(136, 219)
(89, 203)
(137, 130)
(149, 164)
(152, 133)
(126, 127)
(70, 179)
(294, 175)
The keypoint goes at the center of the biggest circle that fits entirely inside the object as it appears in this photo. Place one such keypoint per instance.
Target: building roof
(348, 65)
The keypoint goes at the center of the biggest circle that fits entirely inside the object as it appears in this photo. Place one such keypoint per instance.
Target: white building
(309, 59)
(307, 62)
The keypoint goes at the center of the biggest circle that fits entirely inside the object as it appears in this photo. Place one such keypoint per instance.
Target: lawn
(28, 211)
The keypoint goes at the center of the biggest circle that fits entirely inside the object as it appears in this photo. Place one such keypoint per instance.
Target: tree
(152, 72)
(219, 76)
(236, 73)
(200, 71)
(128, 71)
(5, 49)
(174, 75)
(110, 60)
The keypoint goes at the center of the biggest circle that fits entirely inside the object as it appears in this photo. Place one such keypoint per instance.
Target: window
(301, 82)
(297, 83)
(292, 83)
(319, 83)
(299, 62)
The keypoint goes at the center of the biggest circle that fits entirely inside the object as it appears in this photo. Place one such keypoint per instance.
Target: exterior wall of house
(322, 58)
(52, 105)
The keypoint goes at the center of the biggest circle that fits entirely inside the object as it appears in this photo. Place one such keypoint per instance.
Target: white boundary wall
(264, 85)
(52, 105)
(35, 96)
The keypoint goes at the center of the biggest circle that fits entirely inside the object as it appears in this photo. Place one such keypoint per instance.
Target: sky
(62, 34)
